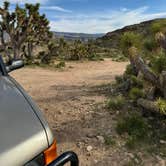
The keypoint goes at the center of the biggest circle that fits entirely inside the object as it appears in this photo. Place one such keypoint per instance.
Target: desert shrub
(158, 63)
(161, 103)
(41, 54)
(136, 82)
(129, 70)
(119, 58)
(95, 57)
(128, 40)
(150, 44)
(136, 93)
(45, 57)
(116, 103)
(28, 61)
(60, 64)
(131, 142)
(119, 79)
(158, 26)
(135, 126)
(109, 140)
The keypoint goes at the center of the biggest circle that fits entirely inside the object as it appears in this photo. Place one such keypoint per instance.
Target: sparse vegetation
(136, 93)
(158, 63)
(109, 141)
(134, 125)
(60, 65)
(142, 87)
(161, 103)
(116, 103)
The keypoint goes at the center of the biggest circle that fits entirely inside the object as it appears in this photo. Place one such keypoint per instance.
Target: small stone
(101, 139)
(162, 162)
(90, 135)
(162, 142)
(117, 112)
(89, 148)
(136, 160)
(130, 155)
(79, 144)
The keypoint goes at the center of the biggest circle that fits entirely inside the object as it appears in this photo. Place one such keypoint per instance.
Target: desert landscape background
(104, 94)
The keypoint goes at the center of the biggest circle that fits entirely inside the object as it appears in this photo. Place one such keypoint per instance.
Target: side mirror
(16, 64)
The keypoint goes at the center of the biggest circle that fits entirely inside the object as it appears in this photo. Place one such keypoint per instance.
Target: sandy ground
(74, 110)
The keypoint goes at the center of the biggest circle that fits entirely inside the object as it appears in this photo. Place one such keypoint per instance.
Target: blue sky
(97, 16)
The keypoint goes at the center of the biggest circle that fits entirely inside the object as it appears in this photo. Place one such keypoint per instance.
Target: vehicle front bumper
(65, 158)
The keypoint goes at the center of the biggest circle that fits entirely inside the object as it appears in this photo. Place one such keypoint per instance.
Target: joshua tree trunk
(148, 105)
(158, 81)
(5, 45)
(140, 66)
(16, 50)
(30, 49)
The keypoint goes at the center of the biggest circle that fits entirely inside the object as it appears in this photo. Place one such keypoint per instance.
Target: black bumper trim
(65, 158)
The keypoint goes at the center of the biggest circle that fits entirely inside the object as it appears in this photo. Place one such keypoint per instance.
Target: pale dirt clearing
(74, 110)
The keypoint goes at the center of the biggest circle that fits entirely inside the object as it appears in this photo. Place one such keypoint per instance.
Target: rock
(130, 155)
(161, 162)
(90, 135)
(162, 142)
(136, 160)
(89, 148)
(79, 144)
(117, 112)
(101, 139)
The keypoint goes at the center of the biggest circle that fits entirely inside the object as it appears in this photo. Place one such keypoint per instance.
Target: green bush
(158, 63)
(158, 26)
(129, 70)
(95, 57)
(161, 103)
(134, 125)
(60, 64)
(131, 143)
(109, 140)
(136, 82)
(136, 93)
(119, 79)
(128, 40)
(150, 44)
(116, 103)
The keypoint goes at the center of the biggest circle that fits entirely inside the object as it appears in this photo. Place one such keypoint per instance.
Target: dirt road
(74, 110)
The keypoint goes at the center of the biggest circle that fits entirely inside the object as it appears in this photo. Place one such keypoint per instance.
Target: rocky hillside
(111, 39)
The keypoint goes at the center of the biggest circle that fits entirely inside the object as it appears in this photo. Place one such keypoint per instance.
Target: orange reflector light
(50, 154)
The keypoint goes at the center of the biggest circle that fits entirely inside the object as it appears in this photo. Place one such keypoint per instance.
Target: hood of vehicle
(22, 133)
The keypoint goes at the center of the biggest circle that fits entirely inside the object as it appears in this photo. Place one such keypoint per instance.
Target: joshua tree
(156, 81)
(24, 25)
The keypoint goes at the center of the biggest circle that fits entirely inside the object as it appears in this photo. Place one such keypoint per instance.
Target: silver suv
(25, 139)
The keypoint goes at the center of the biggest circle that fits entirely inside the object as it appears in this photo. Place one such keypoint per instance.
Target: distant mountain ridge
(112, 39)
(77, 36)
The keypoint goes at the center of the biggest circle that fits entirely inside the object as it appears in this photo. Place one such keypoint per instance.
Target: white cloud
(57, 8)
(123, 9)
(103, 22)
